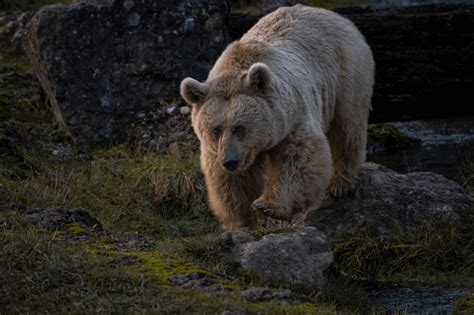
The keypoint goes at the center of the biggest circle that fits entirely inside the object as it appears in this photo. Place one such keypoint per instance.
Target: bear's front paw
(340, 187)
(272, 211)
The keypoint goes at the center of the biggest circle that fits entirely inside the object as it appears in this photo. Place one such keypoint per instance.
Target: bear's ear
(258, 77)
(193, 91)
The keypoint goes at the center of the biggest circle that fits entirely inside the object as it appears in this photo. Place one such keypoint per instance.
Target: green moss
(303, 308)
(465, 306)
(39, 274)
(390, 137)
(76, 228)
(160, 268)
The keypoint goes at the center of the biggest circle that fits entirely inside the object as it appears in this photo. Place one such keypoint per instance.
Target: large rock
(101, 62)
(424, 60)
(297, 259)
(386, 202)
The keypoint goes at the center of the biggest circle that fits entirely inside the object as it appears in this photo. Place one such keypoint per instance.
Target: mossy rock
(389, 138)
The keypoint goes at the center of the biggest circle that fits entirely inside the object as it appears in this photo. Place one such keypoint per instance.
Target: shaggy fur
(288, 104)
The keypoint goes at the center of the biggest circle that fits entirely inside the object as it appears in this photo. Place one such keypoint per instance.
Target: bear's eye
(216, 131)
(238, 131)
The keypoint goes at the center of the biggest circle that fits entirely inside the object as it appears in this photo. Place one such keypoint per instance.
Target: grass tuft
(124, 194)
(177, 183)
(433, 251)
(210, 251)
(348, 295)
(465, 306)
(466, 173)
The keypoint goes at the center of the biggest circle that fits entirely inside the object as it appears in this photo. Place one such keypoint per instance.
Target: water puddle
(417, 299)
(445, 144)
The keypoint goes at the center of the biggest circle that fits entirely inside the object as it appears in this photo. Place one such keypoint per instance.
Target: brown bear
(283, 115)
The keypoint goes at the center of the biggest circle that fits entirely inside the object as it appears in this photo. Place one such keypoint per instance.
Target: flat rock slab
(60, 218)
(54, 218)
(101, 62)
(297, 259)
(386, 201)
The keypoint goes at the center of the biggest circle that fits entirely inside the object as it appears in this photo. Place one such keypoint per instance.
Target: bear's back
(302, 22)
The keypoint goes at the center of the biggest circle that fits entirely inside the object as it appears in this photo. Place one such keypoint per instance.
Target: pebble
(185, 110)
(171, 110)
(22, 18)
(129, 4)
(133, 19)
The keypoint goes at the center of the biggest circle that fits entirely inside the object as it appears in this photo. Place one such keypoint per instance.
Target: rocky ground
(126, 228)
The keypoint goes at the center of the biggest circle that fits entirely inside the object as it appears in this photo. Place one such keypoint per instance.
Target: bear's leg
(298, 171)
(348, 138)
(231, 195)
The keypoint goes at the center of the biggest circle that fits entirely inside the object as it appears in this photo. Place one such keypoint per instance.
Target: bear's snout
(231, 163)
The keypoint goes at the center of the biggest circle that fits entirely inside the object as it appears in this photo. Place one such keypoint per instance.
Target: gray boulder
(100, 62)
(297, 259)
(386, 201)
(383, 203)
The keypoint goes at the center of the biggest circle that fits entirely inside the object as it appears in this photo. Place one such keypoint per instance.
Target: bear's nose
(231, 164)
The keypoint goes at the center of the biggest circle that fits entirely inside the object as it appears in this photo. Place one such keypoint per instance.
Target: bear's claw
(274, 212)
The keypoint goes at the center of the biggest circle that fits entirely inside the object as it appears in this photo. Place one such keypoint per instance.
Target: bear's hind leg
(348, 138)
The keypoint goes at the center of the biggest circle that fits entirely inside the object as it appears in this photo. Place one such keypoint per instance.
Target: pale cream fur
(289, 101)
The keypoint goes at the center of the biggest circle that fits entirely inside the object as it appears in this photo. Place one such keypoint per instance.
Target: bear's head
(232, 114)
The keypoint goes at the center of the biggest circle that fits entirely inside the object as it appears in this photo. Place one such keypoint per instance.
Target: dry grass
(432, 253)
(466, 173)
(125, 194)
